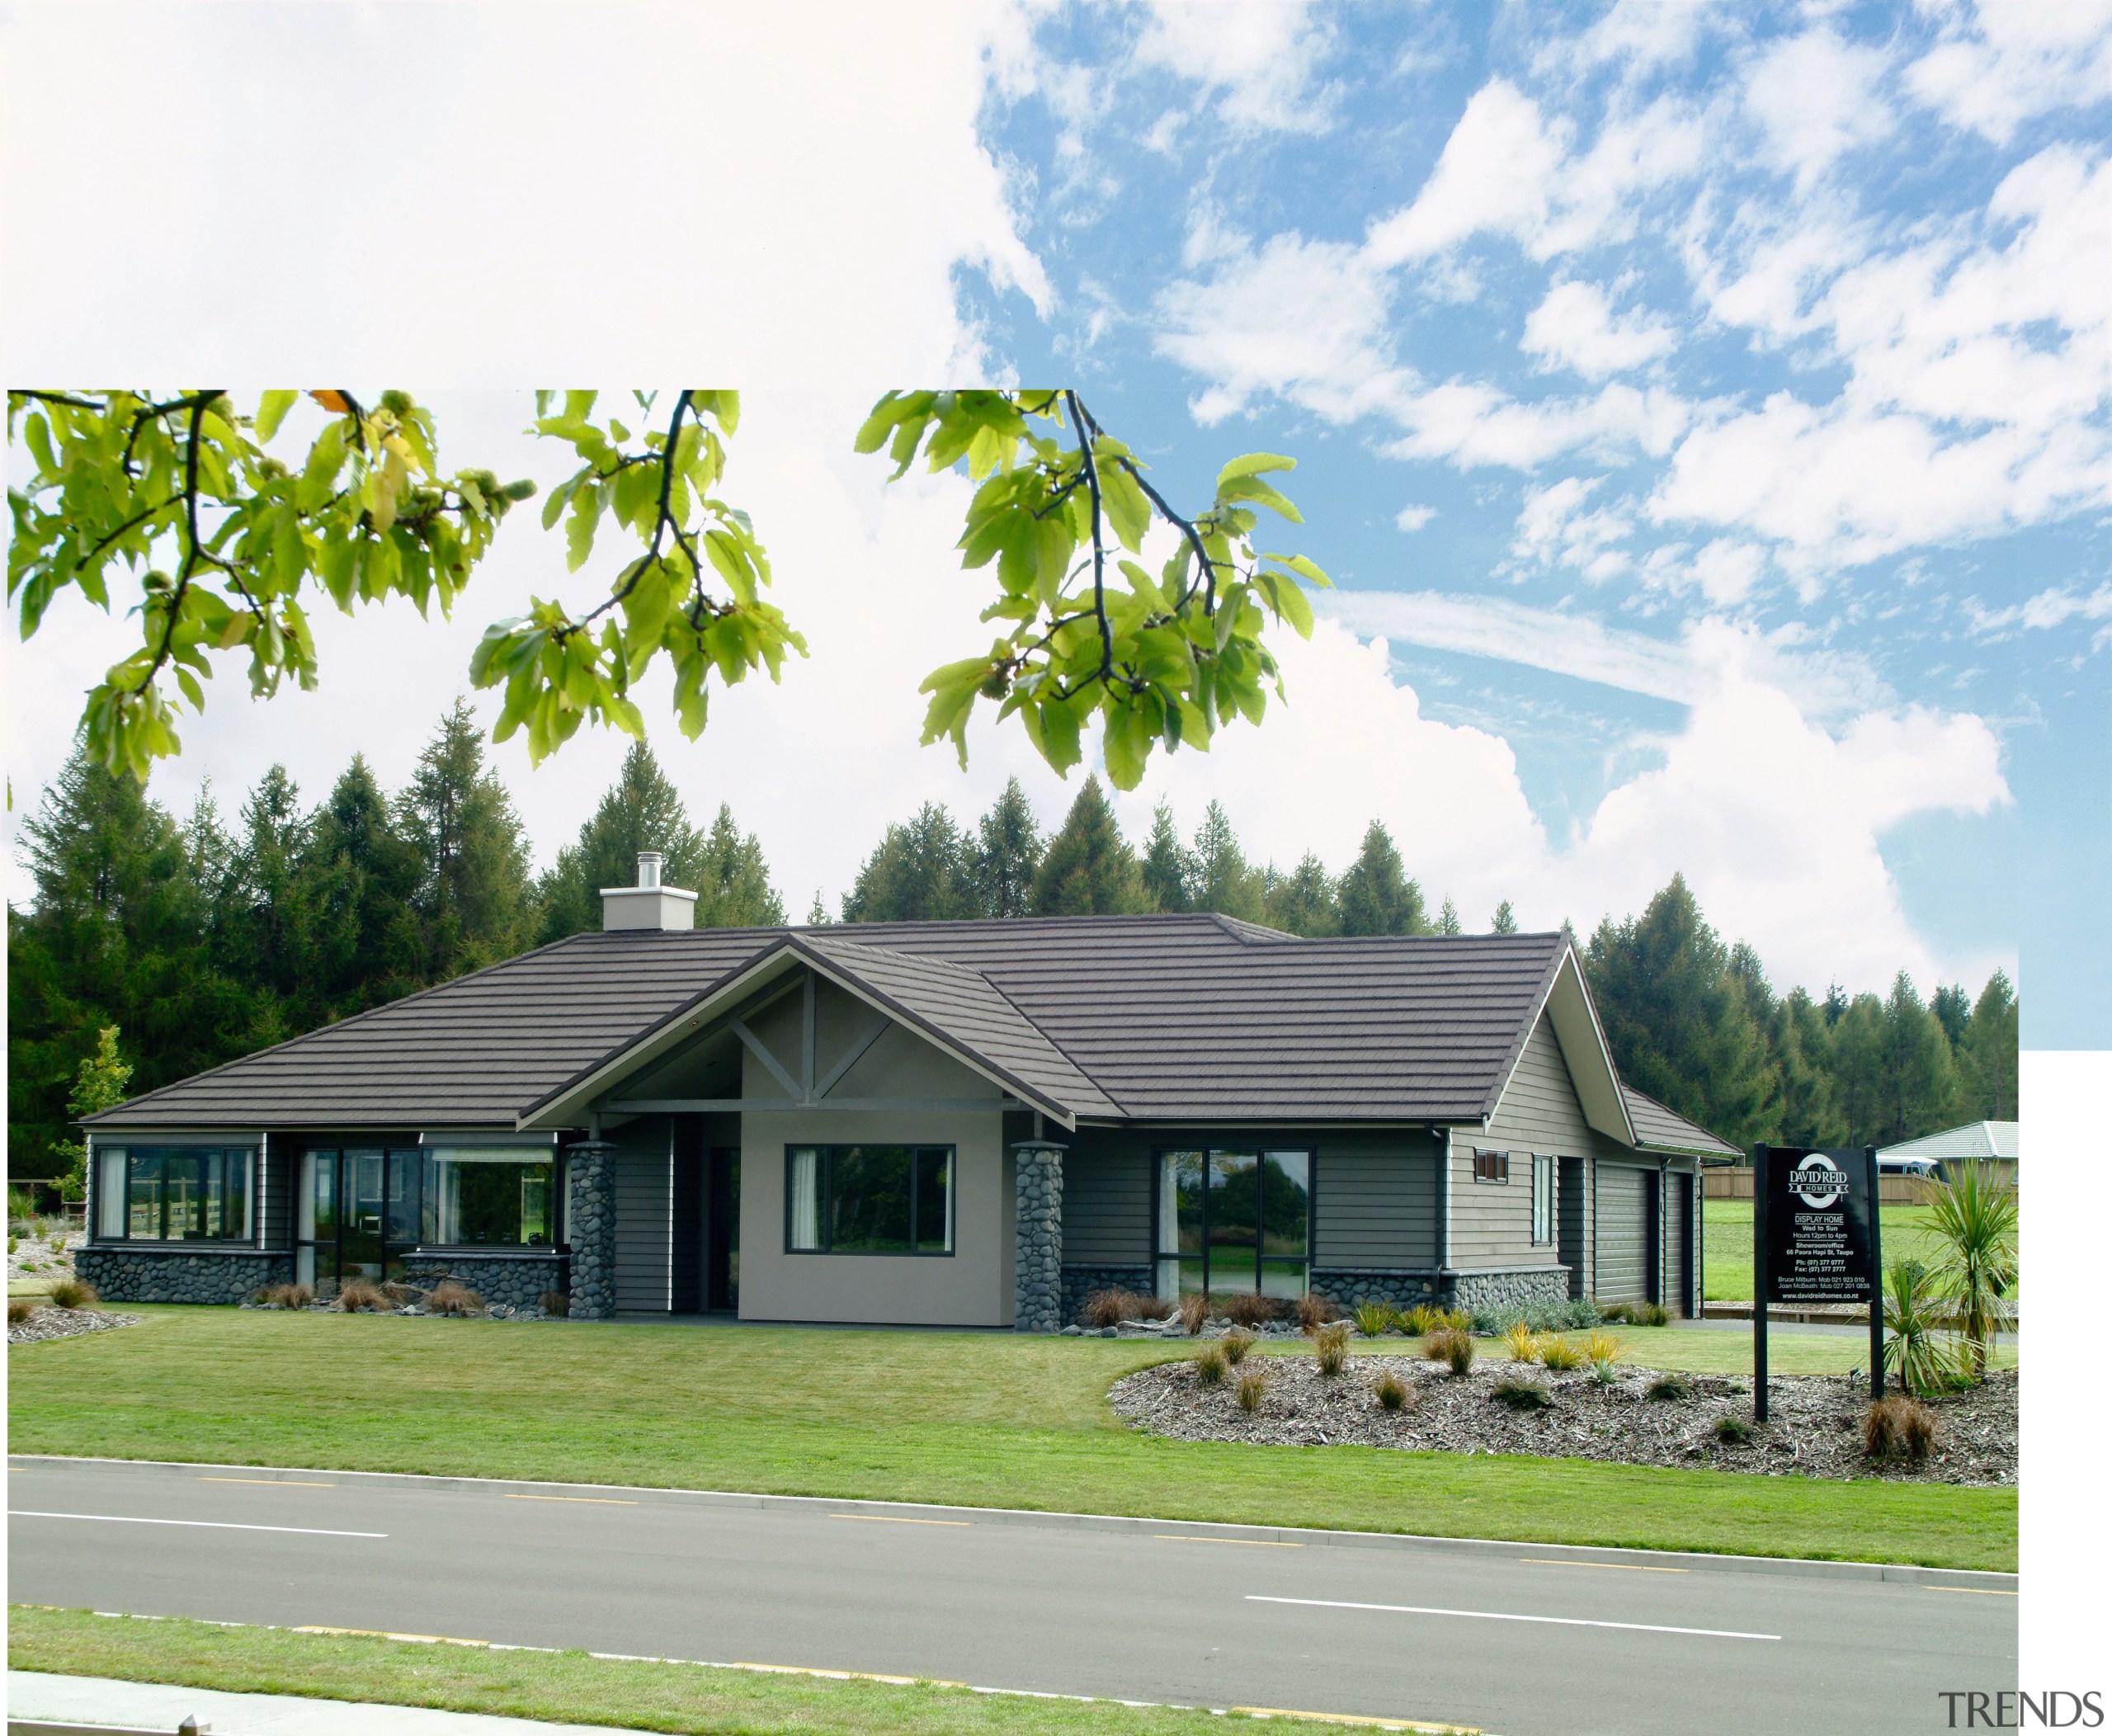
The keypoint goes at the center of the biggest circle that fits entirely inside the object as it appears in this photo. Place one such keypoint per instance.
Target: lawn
(569, 1687)
(984, 1419)
(1726, 1244)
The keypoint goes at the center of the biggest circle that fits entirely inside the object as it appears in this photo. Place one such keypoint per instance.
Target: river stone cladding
(499, 1280)
(1080, 1282)
(590, 1227)
(132, 1274)
(1038, 1271)
(1493, 1290)
(1403, 1290)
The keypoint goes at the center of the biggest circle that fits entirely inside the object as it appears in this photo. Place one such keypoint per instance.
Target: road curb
(1788, 1566)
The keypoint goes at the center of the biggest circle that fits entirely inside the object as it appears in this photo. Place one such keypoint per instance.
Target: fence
(1737, 1184)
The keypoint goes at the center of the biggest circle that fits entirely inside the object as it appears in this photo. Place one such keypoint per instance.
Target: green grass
(982, 1419)
(1726, 1244)
(568, 1687)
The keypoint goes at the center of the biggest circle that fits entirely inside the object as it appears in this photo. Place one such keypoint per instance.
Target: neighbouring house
(1937, 1155)
(967, 1124)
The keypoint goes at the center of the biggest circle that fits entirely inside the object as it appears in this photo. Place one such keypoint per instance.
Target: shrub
(447, 1297)
(13, 1243)
(1112, 1307)
(57, 1239)
(1248, 1308)
(285, 1295)
(1374, 1317)
(557, 1303)
(1669, 1388)
(1315, 1312)
(1458, 1320)
(356, 1296)
(1911, 1314)
(71, 1292)
(1236, 1343)
(1523, 1342)
(1636, 1314)
(1521, 1395)
(1559, 1354)
(1451, 1346)
(1733, 1431)
(1392, 1392)
(1603, 1350)
(1331, 1348)
(1898, 1427)
(1975, 1220)
(1541, 1317)
(1194, 1310)
(1421, 1321)
(20, 1308)
(1210, 1365)
(1253, 1384)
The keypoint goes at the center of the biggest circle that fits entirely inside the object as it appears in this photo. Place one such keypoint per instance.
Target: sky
(1702, 411)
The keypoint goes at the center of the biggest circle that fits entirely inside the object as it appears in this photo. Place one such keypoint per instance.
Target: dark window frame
(1261, 1150)
(825, 1200)
(252, 1217)
(1492, 1167)
(406, 1154)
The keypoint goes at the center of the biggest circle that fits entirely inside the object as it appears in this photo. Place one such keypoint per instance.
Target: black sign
(1815, 1225)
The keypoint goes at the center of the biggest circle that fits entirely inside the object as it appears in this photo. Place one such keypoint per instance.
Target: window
(478, 1197)
(1491, 1166)
(1234, 1220)
(868, 1199)
(191, 1193)
(1542, 1200)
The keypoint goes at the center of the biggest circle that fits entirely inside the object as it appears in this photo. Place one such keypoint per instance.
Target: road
(1518, 1641)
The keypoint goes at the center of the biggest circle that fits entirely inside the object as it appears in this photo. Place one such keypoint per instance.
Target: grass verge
(977, 1419)
(559, 1687)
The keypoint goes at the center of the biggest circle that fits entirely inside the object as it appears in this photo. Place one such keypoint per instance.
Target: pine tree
(1448, 918)
(919, 874)
(1802, 1044)
(1677, 1020)
(731, 880)
(361, 943)
(1089, 868)
(817, 915)
(1006, 852)
(1860, 1084)
(1224, 880)
(1167, 872)
(1988, 1057)
(1376, 895)
(1921, 1084)
(476, 904)
(642, 810)
(1953, 1007)
(1503, 921)
(1302, 902)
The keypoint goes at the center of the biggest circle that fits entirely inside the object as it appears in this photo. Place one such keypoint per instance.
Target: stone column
(590, 1227)
(1038, 1270)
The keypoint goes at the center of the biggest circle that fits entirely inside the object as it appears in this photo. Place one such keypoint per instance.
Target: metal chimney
(648, 904)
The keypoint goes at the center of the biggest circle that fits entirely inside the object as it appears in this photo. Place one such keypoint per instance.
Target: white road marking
(1411, 1609)
(210, 1525)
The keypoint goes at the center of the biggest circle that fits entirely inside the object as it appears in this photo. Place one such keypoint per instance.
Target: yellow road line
(1251, 1543)
(1625, 1567)
(894, 1519)
(590, 1500)
(284, 1482)
(1970, 1590)
(900, 1682)
(383, 1634)
(1368, 1723)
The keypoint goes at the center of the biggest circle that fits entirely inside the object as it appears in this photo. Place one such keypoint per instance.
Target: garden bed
(46, 1321)
(1814, 1429)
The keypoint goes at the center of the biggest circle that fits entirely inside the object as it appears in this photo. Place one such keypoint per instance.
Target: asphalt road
(1513, 1641)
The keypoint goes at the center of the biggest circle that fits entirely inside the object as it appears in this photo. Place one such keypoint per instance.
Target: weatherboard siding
(1621, 1232)
(1376, 1200)
(1539, 1110)
(1107, 1204)
(644, 1215)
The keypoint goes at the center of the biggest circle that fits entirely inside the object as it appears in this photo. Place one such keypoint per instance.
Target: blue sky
(1789, 324)
(1704, 410)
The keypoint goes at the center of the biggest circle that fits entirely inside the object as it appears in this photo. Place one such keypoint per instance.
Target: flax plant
(1975, 1218)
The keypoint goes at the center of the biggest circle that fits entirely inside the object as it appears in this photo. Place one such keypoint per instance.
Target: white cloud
(1494, 174)
(1414, 518)
(1815, 99)
(1555, 529)
(1470, 424)
(1574, 328)
(1260, 60)
(2002, 64)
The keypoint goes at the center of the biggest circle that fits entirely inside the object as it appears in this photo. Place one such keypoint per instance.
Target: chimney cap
(648, 867)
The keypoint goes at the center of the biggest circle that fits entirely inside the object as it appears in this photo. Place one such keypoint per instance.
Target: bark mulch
(1814, 1427)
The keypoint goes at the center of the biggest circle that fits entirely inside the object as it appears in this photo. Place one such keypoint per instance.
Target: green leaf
(1253, 463)
(579, 528)
(1253, 488)
(270, 411)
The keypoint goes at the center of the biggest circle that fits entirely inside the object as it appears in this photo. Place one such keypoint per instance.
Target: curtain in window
(109, 1192)
(804, 1198)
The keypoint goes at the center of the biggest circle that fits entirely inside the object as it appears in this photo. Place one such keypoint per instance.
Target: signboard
(1820, 1240)
(1815, 1239)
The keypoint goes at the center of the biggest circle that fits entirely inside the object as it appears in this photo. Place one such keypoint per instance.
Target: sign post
(1815, 1239)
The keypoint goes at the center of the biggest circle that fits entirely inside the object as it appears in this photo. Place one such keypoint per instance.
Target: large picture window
(868, 1199)
(1231, 1220)
(174, 1193)
(498, 1197)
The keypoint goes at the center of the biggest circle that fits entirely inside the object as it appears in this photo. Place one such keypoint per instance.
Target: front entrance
(722, 1230)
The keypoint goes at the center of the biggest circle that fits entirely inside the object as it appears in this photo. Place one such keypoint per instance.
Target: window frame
(1261, 1151)
(1544, 1201)
(1492, 1167)
(826, 1152)
(213, 1163)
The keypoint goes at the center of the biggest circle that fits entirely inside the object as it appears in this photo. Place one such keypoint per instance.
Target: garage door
(1620, 1225)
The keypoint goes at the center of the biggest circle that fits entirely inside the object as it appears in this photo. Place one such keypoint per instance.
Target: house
(966, 1124)
(1936, 1155)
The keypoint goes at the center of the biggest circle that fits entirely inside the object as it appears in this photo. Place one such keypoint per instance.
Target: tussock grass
(1669, 1388)
(1112, 1307)
(447, 1297)
(1373, 1319)
(1316, 1311)
(1391, 1391)
(1898, 1427)
(20, 1308)
(1235, 1344)
(1451, 1346)
(1516, 1392)
(1560, 1355)
(1331, 1348)
(1523, 1342)
(1253, 1385)
(1211, 1364)
(69, 1291)
(356, 1296)
(1194, 1311)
